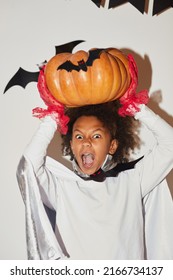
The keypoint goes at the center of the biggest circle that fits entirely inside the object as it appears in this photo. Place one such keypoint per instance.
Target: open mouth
(88, 160)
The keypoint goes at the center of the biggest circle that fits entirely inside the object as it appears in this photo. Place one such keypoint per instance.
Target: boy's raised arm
(35, 156)
(158, 162)
(37, 148)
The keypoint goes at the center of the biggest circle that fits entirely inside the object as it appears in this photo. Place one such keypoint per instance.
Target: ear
(113, 147)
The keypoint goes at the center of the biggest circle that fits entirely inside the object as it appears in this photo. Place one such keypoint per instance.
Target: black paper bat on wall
(22, 77)
(138, 4)
(97, 2)
(158, 5)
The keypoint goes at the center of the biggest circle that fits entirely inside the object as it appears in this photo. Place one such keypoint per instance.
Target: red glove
(131, 100)
(54, 108)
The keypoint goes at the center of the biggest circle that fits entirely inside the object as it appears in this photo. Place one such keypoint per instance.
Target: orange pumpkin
(84, 78)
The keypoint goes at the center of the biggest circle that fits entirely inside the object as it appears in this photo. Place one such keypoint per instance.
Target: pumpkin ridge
(91, 84)
(124, 84)
(61, 95)
(102, 78)
(75, 86)
(78, 92)
(70, 97)
(113, 59)
(97, 76)
(118, 63)
(109, 55)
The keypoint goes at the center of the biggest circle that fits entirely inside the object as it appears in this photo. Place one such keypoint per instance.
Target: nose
(86, 142)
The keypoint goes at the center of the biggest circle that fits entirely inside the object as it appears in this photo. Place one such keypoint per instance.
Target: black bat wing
(97, 2)
(82, 65)
(69, 66)
(22, 78)
(68, 47)
(93, 55)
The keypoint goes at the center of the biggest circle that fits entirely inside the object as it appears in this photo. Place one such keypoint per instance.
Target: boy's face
(91, 142)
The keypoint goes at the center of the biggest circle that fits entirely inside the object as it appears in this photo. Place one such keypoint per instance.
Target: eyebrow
(97, 129)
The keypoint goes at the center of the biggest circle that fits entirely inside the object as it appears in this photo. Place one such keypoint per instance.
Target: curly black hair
(124, 129)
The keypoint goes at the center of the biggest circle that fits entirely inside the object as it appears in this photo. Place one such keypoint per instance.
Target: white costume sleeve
(158, 162)
(157, 203)
(158, 215)
(35, 153)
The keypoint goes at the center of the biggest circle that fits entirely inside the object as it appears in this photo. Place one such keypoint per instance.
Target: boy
(101, 208)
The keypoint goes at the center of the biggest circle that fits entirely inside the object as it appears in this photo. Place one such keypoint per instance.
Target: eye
(79, 136)
(96, 136)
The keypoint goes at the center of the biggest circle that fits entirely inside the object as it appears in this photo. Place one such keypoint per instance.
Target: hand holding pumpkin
(54, 108)
(131, 100)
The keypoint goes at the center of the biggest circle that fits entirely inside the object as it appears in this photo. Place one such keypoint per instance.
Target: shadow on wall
(144, 66)
(55, 151)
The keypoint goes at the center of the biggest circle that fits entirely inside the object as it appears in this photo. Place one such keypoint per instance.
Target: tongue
(88, 159)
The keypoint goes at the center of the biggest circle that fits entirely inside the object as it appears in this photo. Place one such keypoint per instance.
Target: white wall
(29, 30)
